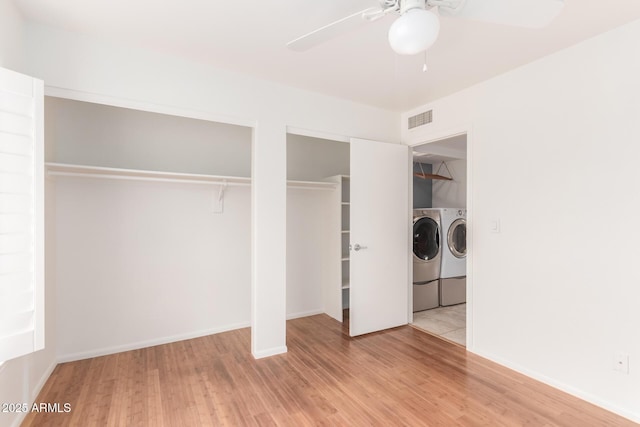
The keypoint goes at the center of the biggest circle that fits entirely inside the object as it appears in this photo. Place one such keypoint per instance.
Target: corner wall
(555, 293)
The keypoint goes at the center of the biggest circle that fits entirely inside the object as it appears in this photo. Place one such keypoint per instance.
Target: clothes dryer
(427, 255)
(453, 272)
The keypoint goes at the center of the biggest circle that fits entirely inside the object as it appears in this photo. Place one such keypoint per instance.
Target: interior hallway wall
(555, 292)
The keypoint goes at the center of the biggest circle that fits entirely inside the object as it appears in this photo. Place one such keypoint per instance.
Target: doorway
(440, 192)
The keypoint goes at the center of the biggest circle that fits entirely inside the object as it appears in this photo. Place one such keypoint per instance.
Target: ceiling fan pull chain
(424, 66)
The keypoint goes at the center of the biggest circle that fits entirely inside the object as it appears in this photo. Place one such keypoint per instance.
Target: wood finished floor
(397, 377)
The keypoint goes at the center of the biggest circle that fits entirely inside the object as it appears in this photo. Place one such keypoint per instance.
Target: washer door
(457, 238)
(426, 239)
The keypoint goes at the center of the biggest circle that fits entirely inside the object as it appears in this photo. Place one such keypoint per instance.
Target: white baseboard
(43, 379)
(269, 352)
(304, 314)
(581, 394)
(72, 357)
(35, 392)
(148, 343)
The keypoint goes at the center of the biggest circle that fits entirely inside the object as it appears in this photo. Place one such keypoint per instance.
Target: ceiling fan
(417, 27)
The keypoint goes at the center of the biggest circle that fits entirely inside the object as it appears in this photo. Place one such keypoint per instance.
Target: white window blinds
(21, 215)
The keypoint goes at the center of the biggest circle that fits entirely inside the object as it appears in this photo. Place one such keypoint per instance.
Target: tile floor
(447, 322)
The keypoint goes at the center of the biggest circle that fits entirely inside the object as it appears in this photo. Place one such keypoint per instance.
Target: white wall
(11, 36)
(309, 255)
(86, 68)
(126, 73)
(99, 135)
(141, 263)
(22, 378)
(315, 159)
(450, 194)
(554, 157)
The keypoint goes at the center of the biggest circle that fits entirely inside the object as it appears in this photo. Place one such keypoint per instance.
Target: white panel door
(380, 232)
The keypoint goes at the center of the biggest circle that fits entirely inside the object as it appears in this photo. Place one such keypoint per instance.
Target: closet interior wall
(313, 247)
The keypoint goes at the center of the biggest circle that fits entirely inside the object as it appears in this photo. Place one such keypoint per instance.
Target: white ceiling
(250, 36)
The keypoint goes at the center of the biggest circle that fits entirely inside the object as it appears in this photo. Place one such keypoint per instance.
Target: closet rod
(245, 182)
(144, 178)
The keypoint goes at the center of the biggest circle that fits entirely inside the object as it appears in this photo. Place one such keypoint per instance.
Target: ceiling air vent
(421, 119)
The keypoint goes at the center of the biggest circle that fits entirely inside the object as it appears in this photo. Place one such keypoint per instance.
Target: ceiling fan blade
(519, 13)
(330, 31)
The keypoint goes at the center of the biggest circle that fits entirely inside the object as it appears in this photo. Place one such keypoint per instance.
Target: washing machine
(427, 255)
(453, 271)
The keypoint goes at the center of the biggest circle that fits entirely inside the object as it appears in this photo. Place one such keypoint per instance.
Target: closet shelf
(64, 169)
(432, 176)
(311, 185)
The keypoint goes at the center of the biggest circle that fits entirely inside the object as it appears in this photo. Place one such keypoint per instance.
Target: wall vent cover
(421, 119)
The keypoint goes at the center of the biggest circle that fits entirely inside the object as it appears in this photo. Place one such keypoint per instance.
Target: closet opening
(317, 227)
(151, 214)
(440, 216)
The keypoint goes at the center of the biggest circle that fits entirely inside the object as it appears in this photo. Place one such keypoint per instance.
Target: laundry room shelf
(344, 259)
(432, 176)
(345, 284)
(345, 231)
(435, 175)
(70, 170)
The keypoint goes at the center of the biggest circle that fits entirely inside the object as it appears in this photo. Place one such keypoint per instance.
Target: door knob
(357, 247)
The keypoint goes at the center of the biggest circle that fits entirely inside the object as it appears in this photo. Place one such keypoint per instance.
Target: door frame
(434, 137)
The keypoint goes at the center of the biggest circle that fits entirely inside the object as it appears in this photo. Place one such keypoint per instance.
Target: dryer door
(426, 239)
(457, 238)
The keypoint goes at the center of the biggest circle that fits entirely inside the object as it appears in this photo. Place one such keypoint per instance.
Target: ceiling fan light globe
(415, 31)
